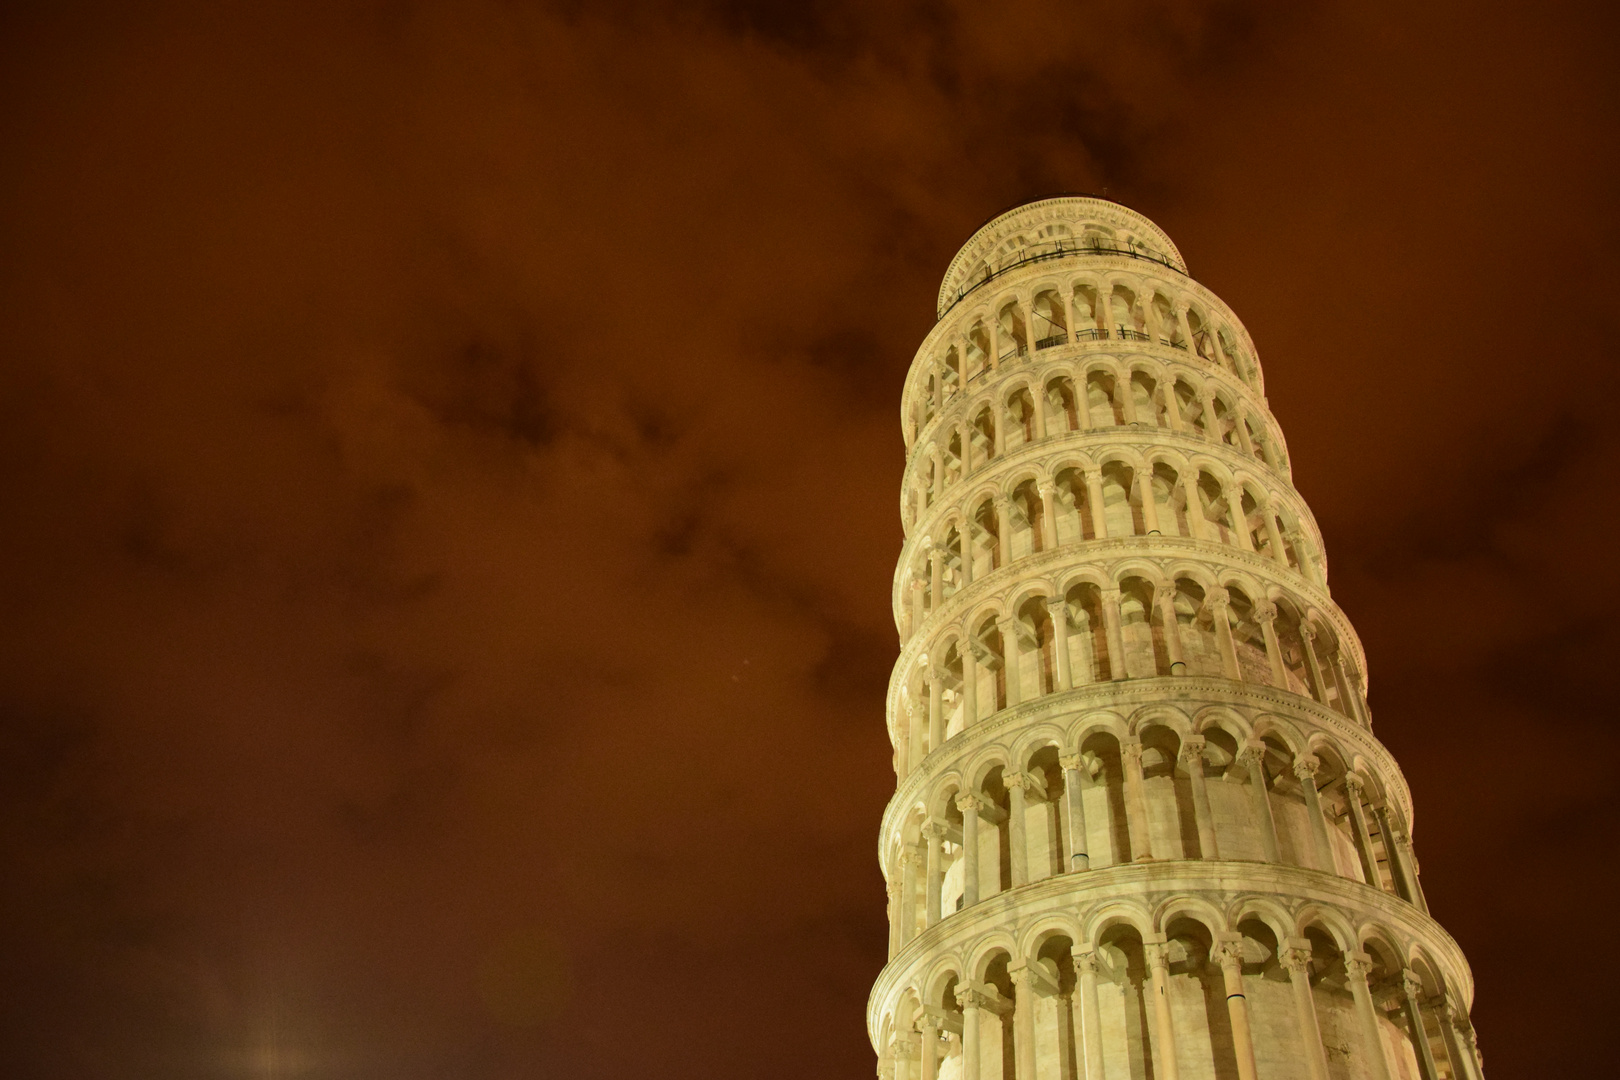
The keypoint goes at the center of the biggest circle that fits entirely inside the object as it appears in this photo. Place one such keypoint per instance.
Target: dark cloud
(451, 461)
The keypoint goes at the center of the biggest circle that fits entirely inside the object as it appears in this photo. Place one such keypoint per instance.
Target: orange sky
(451, 456)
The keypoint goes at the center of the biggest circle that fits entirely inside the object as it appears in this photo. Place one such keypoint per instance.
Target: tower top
(1052, 228)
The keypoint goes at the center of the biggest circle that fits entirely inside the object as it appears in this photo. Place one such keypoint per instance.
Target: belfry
(1142, 827)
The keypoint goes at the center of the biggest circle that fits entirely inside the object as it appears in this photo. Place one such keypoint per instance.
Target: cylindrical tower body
(1142, 826)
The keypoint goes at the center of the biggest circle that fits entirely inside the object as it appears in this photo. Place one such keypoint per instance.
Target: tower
(1142, 826)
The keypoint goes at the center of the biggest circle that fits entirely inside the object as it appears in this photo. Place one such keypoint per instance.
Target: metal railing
(1131, 335)
(1097, 334)
(1055, 339)
(1057, 249)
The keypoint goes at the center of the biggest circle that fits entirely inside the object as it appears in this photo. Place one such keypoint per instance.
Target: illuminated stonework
(1142, 827)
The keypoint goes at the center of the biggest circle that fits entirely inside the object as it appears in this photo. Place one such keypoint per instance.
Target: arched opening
(1170, 501)
(1102, 790)
(1021, 411)
(1195, 620)
(1057, 1042)
(1071, 516)
(1088, 636)
(1248, 638)
(1196, 992)
(1037, 674)
(1026, 519)
(978, 350)
(1090, 315)
(1051, 329)
(1102, 403)
(951, 372)
(1045, 829)
(1217, 515)
(1126, 1007)
(987, 539)
(991, 655)
(1013, 334)
(1167, 790)
(982, 432)
(1125, 315)
(1061, 401)
(1136, 628)
(1147, 410)
(1122, 509)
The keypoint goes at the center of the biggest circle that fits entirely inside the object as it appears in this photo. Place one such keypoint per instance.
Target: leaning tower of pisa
(1142, 826)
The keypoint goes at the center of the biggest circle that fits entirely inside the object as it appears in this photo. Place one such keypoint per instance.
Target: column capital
(1358, 965)
(1297, 958)
(970, 801)
(1229, 954)
(1085, 961)
(1307, 631)
(1305, 767)
(1131, 749)
(1412, 986)
(1071, 762)
(933, 830)
(1218, 600)
(1353, 783)
(1192, 749)
(1156, 954)
(1056, 606)
(1265, 611)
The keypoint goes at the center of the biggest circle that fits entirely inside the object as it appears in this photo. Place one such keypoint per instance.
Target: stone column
(1414, 1018)
(1358, 817)
(1195, 507)
(1305, 767)
(918, 605)
(1017, 844)
(934, 868)
(1172, 407)
(1230, 956)
(1010, 654)
(1408, 864)
(970, 677)
(1037, 404)
(1279, 555)
(1023, 1021)
(1265, 613)
(893, 889)
(1048, 517)
(1158, 964)
(1090, 1023)
(1116, 640)
(1356, 966)
(998, 416)
(902, 1059)
(1297, 958)
(1220, 606)
(1004, 524)
(1136, 815)
(1074, 804)
(1192, 756)
(929, 1031)
(1397, 866)
(908, 894)
(1094, 496)
(1212, 423)
(971, 1000)
(936, 710)
(1307, 637)
(1253, 757)
(1459, 1045)
(1150, 512)
(964, 533)
(936, 576)
(1234, 513)
(1164, 593)
(969, 805)
(1058, 609)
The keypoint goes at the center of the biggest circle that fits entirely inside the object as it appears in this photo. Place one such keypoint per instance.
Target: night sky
(450, 480)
